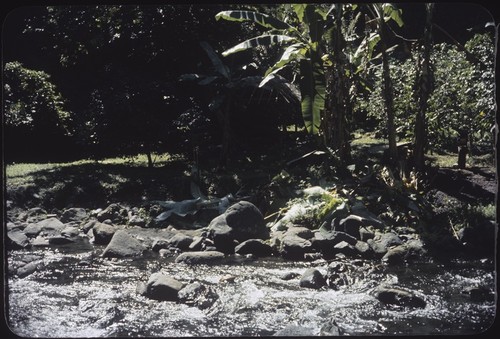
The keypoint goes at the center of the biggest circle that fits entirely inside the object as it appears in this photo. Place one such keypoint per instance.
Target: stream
(77, 293)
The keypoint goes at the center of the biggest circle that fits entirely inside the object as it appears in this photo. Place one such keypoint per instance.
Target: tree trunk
(388, 95)
(337, 103)
(425, 78)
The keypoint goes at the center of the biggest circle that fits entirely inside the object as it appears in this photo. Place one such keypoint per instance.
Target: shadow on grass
(94, 185)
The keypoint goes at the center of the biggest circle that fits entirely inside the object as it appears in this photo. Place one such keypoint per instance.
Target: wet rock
(160, 244)
(123, 245)
(195, 258)
(364, 249)
(289, 275)
(29, 268)
(162, 287)
(256, 247)
(312, 278)
(74, 214)
(344, 247)
(17, 239)
(222, 235)
(365, 234)
(40, 241)
(395, 256)
(181, 241)
(136, 220)
(115, 213)
(70, 232)
(103, 233)
(51, 226)
(89, 225)
(381, 243)
(198, 295)
(60, 240)
(294, 247)
(300, 231)
(398, 297)
(32, 230)
(351, 226)
(295, 331)
(196, 244)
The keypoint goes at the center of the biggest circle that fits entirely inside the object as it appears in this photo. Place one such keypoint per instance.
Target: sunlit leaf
(259, 18)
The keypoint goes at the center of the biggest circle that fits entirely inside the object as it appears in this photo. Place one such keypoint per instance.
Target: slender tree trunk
(337, 105)
(425, 80)
(388, 95)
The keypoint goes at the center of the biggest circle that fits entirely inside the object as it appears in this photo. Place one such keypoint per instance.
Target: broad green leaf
(391, 12)
(312, 88)
(365, 48)
(262, 40)
(216, 61)
(299, 10)
(293, 52)
(259, 18)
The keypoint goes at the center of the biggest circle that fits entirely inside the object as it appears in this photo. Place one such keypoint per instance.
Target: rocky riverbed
(111, 272)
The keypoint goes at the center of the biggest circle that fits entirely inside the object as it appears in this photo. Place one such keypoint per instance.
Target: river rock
(395, 256)
(123, 245)
(330, 329)
(197, 243)
(256, 247)
(312, 278)
(70, 232)
(294, 247)
(365, 234)
(162, 287)
(295, 331)
(289, 275)
(399, 297)
(60, 240)
(87, 226)
(136, 220)
(40, 241)
(364, 249)
(114, 212)
(180, 241)
(196, 258)
(351, 226)
(300, 231)
(480, 238)
(198, 295)
(345, 248)
(103, 233)
(32, 230)
(29, 268)
(17, 239)
(74, 214)
(240, 222)
(51, 226)
(33, 215)
(381, 243)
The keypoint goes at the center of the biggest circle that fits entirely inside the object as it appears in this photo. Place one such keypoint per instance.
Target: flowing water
(76, 293)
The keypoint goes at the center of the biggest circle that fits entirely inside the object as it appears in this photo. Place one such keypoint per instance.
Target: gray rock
(196, 258)
(17, 239)
(103, 233)
(312, 278)
(256, 247)
(351, 226)
(160, 244)
(365, 234)
(330, 329)
(60, 240)
(247, 221)
(198, 295)
(163, 287)
(32, 230)
(381, 243)
(123, 245)
(181, 241)
(289, 275)
(70, 232)
(136, 220)
(89, 225)
(33, 215)
(294, 331)
(29, 268)
(345, 248)
(196, 244)
(114, 212)
(294, 247)
(74, 214)
(364, 249)
(51, 226)
(395, 256)
(399, 297)
(300, 231)
(40, 241)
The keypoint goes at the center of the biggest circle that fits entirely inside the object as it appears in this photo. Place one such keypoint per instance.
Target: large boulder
(240, 222)
(74, 214)
(294, 247)
(312, 278)
(32, 230)
(256, 247)
(17, 239)
(161, 287)
(103, 233)
(351, 225)
(398, 297)
(381, 243)
(180, 241)
(51, 226)
(196, 258)
(123, 245)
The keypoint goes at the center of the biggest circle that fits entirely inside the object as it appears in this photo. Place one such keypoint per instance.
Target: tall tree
(425, 85)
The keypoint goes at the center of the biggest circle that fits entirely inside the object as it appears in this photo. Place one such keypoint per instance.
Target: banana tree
(304, 48)
(225, 83)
